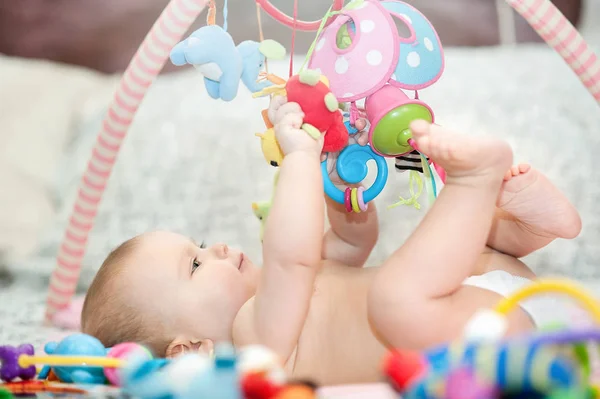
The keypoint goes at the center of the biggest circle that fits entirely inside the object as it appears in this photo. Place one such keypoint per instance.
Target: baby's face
(198, 291)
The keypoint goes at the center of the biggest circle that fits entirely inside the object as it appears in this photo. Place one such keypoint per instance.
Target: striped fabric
(410, 161)
(146, 64)
(562, 36)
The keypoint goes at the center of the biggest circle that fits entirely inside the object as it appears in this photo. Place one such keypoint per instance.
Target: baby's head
(163, 290)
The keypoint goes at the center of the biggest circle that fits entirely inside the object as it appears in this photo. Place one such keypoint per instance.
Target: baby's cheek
(231, 283)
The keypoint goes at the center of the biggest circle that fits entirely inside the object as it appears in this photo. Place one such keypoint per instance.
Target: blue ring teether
(352, 167)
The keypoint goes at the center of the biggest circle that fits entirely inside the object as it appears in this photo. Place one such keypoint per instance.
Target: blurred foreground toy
(26, 388)
(253, 373)
(11, 367)
(79, 358)
(484, 365)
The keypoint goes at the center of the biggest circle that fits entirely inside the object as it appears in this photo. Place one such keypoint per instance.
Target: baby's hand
(290, 136)
(274, 105)
(361, 137)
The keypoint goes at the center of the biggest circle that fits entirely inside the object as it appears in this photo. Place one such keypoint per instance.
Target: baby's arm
(352, 236)
(293, 238)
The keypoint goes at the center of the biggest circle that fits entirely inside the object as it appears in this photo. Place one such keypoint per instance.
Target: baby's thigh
(420, 323)
(492, 260)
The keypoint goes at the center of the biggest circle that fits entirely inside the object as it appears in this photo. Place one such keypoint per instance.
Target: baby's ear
(181, 346)
(178, 347)
(205, 347)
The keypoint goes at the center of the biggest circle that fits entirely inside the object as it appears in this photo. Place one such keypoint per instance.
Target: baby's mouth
(241, 262)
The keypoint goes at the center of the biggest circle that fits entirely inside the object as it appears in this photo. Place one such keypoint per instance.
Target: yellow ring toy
(506, 305)
(26, 361)
(354, 200)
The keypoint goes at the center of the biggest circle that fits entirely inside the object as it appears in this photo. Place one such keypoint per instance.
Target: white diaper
(543, 310)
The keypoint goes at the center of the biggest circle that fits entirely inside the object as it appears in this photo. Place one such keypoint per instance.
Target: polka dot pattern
(367, 26)
(320, 44)
(364, 68)
(421, 60)
(341, 65)
(374, 57)
(413, 59)
(428, 44)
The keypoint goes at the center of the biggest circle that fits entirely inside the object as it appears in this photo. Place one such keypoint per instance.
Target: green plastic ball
(4, 394)
(392, 132)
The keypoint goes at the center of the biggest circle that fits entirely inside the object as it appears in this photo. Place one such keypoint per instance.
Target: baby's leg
(418, 298)
(532, 212)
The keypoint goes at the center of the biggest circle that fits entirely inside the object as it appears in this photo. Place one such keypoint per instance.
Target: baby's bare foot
(537, 204)
(466, 159)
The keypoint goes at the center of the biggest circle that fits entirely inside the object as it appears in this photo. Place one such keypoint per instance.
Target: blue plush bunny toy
(213, 52)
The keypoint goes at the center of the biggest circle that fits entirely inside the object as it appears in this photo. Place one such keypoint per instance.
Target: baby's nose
(221, 251)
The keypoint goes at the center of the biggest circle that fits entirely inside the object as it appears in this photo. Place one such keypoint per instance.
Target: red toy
(320, 107)
(256, 386)
(404, 367)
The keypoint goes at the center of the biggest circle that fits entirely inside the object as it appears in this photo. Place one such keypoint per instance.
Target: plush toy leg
(229, 87)
(212, 88)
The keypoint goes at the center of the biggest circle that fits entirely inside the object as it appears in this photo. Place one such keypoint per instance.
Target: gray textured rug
(193, 165)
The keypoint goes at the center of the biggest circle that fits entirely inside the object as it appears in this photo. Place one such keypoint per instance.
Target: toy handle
(288, 21)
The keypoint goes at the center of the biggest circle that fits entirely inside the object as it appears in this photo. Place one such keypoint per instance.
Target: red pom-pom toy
(321, 109)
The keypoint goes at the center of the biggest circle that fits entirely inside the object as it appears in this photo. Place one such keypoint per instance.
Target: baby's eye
(195, 265)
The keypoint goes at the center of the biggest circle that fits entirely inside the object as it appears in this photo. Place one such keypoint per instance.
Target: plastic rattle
(123, 351)
(20, 362)
(390, 112)
(463, 384)
(10, 360)
(352, 167)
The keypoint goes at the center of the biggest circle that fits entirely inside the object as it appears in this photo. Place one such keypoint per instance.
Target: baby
(328, 318)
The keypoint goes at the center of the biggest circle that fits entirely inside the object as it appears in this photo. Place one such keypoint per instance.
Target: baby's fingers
(286, 109)
(293, 119)
(274, 105)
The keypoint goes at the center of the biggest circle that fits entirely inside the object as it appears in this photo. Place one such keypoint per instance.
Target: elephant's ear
(272, 49)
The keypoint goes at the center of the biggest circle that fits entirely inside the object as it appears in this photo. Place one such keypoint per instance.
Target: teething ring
(288, 21)
(352, 167)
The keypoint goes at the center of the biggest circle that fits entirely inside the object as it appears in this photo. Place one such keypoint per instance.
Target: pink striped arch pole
(562, 36)
(172, 24)
(146, 64)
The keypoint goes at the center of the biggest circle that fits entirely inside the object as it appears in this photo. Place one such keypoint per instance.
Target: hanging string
(261, 36)
(211, 16)
(311, 49)
(225, 12)
(293, 38)
(414, 178)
